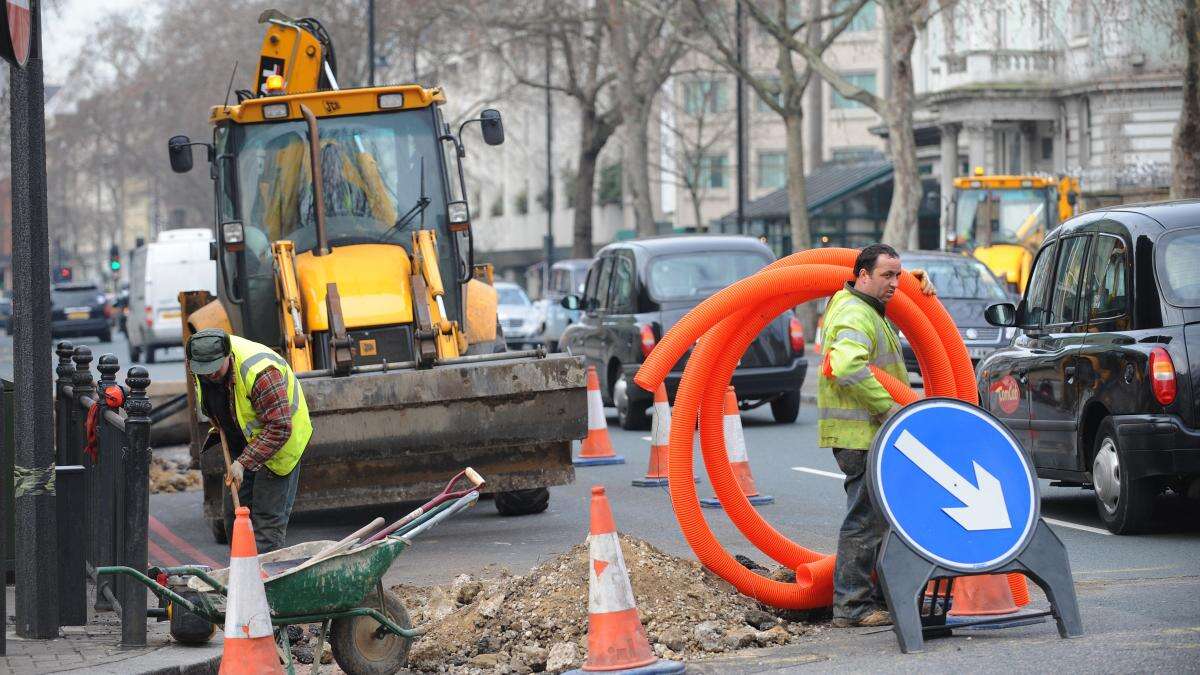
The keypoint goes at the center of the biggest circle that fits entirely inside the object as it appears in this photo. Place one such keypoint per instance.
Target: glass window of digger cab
(371, 168)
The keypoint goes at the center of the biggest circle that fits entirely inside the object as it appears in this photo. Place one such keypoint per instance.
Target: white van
(158, 271)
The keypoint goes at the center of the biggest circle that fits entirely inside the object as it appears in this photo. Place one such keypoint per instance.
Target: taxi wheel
(1125, 506)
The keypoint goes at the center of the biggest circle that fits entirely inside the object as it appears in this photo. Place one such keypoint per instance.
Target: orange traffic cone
(597, 448)
(249, 639)
(739, 461)
(660, 439)
(616, 640)
(989, 596)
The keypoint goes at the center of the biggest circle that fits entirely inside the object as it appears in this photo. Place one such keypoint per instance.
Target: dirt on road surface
(538, 622)
(168, 474)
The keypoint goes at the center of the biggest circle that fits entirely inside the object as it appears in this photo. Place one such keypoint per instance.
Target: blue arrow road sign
(954, 484)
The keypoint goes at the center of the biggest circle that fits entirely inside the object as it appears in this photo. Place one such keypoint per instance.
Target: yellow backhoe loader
(1002, 220)
(343, 240)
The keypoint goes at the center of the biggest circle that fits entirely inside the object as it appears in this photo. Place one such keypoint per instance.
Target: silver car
(566, 278)
(521, 322)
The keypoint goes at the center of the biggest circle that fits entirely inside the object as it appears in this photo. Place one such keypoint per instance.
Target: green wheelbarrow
(336, 584)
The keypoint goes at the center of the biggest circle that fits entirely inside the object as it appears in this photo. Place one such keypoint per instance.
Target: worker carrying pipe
(852, 405)
(258, 411)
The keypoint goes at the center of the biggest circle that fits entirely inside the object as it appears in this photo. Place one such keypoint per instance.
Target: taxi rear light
(149, 317)
(796, 335)
(648, 339)
(1162, 376)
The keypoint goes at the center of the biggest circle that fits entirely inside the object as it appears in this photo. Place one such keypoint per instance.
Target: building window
(1047, 147)
(701, 96)
(772, 170)
(712, 171)
(864, 81)
(863, 21)
(1080, 19)
(759, 104)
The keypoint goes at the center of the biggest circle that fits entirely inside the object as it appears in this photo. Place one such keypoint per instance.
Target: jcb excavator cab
(344, 242)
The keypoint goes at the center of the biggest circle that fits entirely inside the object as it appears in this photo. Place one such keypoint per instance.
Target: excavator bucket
(393, 436)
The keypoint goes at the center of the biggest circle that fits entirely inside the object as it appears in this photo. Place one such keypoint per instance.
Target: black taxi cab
(1100, 382)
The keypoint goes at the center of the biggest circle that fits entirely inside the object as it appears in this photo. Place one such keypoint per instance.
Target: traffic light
(114, 258)
(63, 273)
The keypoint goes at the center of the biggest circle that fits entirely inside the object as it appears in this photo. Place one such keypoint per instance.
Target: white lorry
(177, 261)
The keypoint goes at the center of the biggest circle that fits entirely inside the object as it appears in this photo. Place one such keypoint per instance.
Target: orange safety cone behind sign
(597, 448)
(982, 595)
(660, 435)
(249, 638)
(616, 639)
(739, 461)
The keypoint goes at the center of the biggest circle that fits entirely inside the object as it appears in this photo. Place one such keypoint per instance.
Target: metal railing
(103, 496)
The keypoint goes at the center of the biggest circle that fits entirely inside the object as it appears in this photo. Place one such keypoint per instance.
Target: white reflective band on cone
(608, 581)
(596, 419)
(735, 442)
(661, 434)
(247, 614)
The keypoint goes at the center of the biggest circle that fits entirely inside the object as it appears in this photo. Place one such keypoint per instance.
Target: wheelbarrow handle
(474, 477)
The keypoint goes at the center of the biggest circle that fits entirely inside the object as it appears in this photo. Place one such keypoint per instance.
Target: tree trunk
(636, 168)
(906, 185)
(797, 192)
(1185, 147)
(697, 200)
(585, 182)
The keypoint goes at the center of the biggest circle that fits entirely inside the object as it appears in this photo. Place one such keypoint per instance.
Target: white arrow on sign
(985, 508)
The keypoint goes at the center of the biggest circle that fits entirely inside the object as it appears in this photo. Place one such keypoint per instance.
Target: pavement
(1137, 594)
(95, 648)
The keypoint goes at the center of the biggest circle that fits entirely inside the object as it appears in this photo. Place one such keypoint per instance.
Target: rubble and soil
(538, 622)
(172, 475)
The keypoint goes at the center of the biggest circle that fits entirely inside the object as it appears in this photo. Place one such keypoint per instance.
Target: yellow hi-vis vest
(851, 403)
(250, 359)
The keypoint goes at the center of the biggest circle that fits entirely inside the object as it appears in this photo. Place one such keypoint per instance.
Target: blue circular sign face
(954, 484)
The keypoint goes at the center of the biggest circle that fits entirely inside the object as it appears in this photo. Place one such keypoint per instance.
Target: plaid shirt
(269, 399)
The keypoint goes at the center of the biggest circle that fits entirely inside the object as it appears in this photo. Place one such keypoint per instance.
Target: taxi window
(622, 287)
(602, 287)
(1039, 283)
(1064, 301)
(1106, 293)
(1178, 272)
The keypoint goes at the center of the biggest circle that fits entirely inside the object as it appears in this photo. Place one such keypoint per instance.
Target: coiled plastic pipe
(728, 322)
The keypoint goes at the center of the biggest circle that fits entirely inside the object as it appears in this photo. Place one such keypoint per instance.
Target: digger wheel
(217, 526)
(522, 502)
(360, 645)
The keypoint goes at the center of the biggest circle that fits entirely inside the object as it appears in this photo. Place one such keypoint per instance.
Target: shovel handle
(233, 491)
(474, 477)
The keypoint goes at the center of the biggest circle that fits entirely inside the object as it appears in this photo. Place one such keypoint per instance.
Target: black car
(637, 290)
(966, 287)
(79, 309)
(1101, 382)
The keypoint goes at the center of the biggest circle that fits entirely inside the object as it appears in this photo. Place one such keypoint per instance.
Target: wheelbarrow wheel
(360, 649)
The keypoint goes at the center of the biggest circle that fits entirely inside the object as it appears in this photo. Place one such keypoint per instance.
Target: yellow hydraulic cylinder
(299, 354)
(425, 252)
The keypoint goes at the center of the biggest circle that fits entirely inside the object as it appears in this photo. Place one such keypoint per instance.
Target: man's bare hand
(237, 472)
(922, 277)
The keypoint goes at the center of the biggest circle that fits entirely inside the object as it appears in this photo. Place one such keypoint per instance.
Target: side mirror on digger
(179, 148)
(491, 126)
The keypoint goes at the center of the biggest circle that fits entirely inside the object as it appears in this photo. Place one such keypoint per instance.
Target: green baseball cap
(207, 350)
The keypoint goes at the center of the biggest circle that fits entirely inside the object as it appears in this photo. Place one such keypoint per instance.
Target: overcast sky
(66, 28)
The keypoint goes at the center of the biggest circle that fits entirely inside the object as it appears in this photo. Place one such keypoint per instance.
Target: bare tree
(696, 129)
(578, 36)
(1185, 147)
(903, 20)
(644, 51)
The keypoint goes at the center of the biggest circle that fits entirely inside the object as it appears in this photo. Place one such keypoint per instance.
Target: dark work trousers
(855, 594)
(270, 498)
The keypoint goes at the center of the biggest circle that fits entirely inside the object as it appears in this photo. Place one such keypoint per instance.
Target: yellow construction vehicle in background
(343, 239)
(1002, 220)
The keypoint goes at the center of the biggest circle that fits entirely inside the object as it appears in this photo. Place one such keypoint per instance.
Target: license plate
(78, 315)
(169, 314)
(978, 352)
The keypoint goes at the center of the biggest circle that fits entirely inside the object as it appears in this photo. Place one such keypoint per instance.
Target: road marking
(160, 556)
(185, 548)
(1049, 521)
(1077, 526)
(818, 472)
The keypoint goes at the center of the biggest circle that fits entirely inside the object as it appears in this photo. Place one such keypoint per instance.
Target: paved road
(168, 367)
(1138, 593)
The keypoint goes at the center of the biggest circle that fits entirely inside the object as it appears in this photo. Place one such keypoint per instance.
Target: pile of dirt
(172, 475)
(538, 622)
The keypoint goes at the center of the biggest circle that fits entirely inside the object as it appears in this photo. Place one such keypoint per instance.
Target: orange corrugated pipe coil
(728, 322)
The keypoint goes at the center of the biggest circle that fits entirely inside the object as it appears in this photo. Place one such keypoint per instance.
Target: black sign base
(904, 575)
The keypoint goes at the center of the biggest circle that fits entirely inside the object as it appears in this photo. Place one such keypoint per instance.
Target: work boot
(879, 617)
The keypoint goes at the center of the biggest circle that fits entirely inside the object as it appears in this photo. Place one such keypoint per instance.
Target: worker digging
(260, 420)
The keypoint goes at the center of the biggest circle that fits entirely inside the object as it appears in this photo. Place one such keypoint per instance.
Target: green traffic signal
(114, 265)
